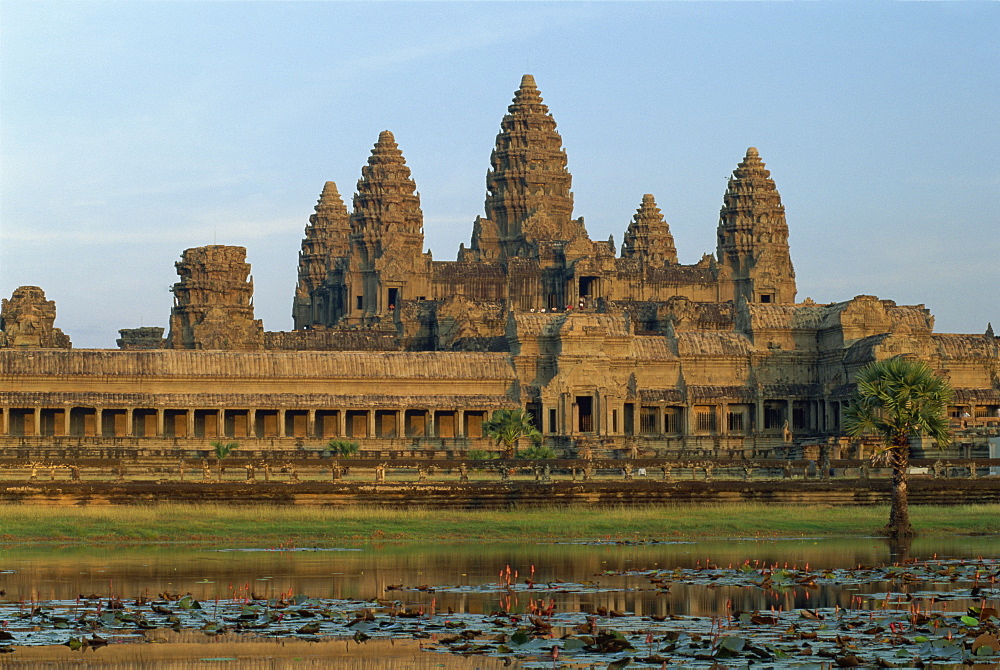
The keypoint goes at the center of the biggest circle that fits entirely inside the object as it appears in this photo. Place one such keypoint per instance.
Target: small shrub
(481, 455)
(223, 449)
(537, 452)
(345, 448)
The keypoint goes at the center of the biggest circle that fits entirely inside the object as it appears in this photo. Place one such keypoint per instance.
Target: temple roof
(266, 365)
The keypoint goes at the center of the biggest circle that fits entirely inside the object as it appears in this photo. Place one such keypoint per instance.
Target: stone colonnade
(568, 414)
(242, 422)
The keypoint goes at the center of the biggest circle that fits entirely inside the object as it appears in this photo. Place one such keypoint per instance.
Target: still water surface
(463, 577)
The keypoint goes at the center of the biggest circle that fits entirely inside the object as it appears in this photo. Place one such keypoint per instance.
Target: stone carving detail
(326, 242)
(26, 320)
(648, 237)
(753, 235)
(213, 301)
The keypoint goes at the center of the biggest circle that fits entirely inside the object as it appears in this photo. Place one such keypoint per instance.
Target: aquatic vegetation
(943, 612)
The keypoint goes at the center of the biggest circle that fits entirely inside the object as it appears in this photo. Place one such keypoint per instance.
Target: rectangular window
(705, 420)
(552, 420)
(647, 421)
(360, 302)
(774, 416)
(671, 420)
(734, 422)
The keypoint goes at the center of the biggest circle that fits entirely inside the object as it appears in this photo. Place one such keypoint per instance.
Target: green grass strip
(260, 524)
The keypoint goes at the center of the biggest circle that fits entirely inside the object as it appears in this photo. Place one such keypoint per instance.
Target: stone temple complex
(606, 348)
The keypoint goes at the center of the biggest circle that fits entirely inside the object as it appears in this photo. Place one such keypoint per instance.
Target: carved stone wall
(134, 339)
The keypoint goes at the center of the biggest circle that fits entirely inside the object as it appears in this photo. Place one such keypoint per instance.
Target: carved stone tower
(528, 198)
(213, 301)
(326, 241)
(753, 237)
(27, 319)
(387, 263)
(648, 237)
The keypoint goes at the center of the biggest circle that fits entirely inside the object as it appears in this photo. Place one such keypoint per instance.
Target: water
(467, 584)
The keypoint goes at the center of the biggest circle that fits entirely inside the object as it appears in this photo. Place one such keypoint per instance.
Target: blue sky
(131, 131)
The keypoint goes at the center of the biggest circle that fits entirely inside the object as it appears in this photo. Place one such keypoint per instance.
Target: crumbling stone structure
(631, 351)
(26, 321)
(213, 302)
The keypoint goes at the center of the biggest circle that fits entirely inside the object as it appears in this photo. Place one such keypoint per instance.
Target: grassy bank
(272, 524)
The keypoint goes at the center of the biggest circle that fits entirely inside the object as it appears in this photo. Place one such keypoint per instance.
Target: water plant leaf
(188, 603)
(970, 620)
(733, 643)
(519, 638)
(573, 644)
(987, 641)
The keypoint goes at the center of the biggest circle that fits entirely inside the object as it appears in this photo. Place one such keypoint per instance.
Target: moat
(476, 604)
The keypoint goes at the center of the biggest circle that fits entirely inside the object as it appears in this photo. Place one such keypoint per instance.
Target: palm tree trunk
(899, 510)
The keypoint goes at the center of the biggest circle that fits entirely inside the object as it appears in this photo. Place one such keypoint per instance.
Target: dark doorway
(585, 410)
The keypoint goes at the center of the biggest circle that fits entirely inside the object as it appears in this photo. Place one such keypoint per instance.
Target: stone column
(159, 422)
(129, 422)
(759, 411)
(597, 416)
(575, 420)
(252, 422)
(38, 422)
(429, 430)
(459, 422)
(190, 423)
(342, 420)
(723, 425)
(67, 426)
(311, 423)
(5, 421)
(688, 419)
(98, 422)
(789, 408)
(400, 420)
(371, 424)
(661, 428)
(281, 423)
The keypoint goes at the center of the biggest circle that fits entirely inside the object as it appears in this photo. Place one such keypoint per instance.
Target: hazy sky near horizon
(131, 131)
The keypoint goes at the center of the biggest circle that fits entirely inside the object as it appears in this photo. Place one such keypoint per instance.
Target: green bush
(481, 455)
(223, 449)
(537, 452)
(344, 448)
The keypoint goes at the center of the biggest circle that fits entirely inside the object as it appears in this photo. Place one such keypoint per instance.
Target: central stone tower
(528, 198)
(753, 237)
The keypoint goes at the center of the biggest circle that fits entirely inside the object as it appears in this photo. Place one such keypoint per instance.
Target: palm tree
(897, 399)
(507, 426)
(222, 449)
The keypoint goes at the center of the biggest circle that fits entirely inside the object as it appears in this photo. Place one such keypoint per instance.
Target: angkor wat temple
(605, 349)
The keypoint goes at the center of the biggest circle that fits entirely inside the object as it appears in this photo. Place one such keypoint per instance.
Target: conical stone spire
(753, 235)
(326, 237)
(528, 186)
(387, 211)
(648, 237)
